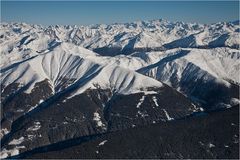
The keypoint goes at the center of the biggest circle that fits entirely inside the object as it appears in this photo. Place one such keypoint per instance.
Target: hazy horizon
(109, 12)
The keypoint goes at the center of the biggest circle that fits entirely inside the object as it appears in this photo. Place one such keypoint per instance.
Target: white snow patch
(234, 101)
(211, 145)
(201, 143)
(102, 143)
(31, 137)
(197, 109)
(149, 92)
(167, 115)
(140, 101)
(3, 132)
(97, 118)
(19, 110)
(37, 126)
(155, 101)
(4, 153)
(33, 107)
(142, 114)
(16, 141)
(41, 100)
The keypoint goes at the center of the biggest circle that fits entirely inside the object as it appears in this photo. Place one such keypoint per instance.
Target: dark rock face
(125, 111)
(114, 51)
(193, 137)
(15, 102)
(94, 112)
(59, 120)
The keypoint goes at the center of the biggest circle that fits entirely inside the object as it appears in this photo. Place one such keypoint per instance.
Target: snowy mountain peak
(67, 64)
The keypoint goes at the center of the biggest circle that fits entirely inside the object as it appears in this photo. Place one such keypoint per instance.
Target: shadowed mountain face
(162, 140)
(92, 112)
(153, 90)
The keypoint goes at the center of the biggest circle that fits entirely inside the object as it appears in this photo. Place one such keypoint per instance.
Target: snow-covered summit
(66, 65)
(125, 38)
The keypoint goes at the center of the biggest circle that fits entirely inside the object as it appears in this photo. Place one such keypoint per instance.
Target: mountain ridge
(61, 82)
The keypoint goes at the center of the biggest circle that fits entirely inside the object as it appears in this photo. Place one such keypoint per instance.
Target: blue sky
(95, 12)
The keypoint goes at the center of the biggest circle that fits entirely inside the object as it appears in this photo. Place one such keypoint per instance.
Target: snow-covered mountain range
(102, 78)
(123, 38)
